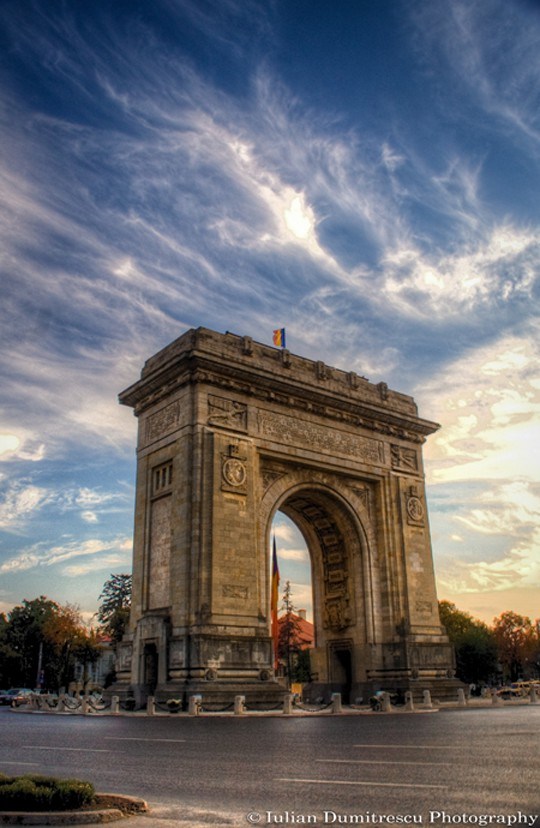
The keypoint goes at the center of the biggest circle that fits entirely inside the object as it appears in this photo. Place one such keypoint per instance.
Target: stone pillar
(150, 706)
(336, 703)
(115, 705)
(61, 706)
(409, 702)
(532, 695)
(495, 699)
(194, 705)
(386, 705)
(427, 700)
(288, 704)
(239, 705)
(85, 707)
(462, 701)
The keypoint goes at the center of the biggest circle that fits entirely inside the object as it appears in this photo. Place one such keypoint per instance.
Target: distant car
(16, 696)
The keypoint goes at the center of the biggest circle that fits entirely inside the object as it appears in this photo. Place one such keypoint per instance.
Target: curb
(117, 807)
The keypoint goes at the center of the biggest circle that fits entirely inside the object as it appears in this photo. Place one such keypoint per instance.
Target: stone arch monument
(230, 431)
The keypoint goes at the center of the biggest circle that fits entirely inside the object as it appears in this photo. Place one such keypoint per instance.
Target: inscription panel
(293, 431)
(162, 422)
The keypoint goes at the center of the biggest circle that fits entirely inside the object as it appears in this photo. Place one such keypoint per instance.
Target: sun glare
(299, 218)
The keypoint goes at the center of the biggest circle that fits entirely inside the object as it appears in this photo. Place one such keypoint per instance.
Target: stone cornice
(250, 369)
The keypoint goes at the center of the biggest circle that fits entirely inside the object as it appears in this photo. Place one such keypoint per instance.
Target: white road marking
(413, 747)
(141, 739)
(365, 784)
(20, 763)
(380, 762)
(61, 747)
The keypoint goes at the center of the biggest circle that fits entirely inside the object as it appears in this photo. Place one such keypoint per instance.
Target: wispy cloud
(40, 555)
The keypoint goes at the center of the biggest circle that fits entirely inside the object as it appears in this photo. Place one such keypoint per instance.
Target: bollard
(427, 700)
(115, 705)
(288, 703)
(336, 703)
(239, 705)
(386, 704)
(33, 698)
(194, 705)
(532, 694)
(85, 707)
(151, 706)
(462, 701)
(409, 701)
(61, 706)
(495, 699)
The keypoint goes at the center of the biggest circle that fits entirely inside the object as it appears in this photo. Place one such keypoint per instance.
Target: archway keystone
(230, 431)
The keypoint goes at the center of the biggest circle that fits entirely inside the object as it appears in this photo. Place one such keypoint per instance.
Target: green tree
(517, 642)
(42, 641)
(113, 613)
(25, 639)
(9, 658)
(474, 643)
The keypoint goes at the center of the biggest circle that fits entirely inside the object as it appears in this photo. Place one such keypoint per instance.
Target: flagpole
(274, 597)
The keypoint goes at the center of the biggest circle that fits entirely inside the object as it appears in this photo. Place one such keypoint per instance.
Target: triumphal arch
(230, 431)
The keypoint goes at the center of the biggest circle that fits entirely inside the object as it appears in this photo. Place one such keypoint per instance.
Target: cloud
(519, 568)
(20, 502)
(491, 50)
(40, 555)
(294, 554)
(496, 269)
(106, 562)
(488, 403)
(23, 500)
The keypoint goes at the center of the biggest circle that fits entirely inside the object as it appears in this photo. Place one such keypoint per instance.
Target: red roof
(305, 631)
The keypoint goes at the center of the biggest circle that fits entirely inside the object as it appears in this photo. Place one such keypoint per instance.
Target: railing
(291, 705)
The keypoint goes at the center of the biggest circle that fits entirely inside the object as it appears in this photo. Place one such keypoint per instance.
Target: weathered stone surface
(231, 430)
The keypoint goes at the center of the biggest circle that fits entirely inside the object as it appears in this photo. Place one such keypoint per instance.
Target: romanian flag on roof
(274, 597)
(279, 338)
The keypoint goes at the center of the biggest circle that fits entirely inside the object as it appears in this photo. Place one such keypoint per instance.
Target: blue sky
(365, 174)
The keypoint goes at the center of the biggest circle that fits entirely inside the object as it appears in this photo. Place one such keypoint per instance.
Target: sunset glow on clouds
(365, 177)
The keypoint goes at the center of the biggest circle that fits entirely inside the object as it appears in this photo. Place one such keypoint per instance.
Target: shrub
(43, 793)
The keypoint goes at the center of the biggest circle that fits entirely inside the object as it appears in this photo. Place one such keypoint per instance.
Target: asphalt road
(444, 768)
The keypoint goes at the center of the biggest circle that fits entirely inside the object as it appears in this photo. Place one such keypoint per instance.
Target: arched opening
(320, 551)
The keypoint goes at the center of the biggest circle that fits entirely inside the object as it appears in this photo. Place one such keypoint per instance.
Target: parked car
(16, 696)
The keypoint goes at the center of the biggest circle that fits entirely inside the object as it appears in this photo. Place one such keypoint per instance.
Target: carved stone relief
(403, 459)
(233, 472)
(415, 508)
(268, 477)
(226, 413)
(162, 422)
(289, 430)
(235, 591)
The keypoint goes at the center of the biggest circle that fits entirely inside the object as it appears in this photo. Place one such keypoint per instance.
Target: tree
(9, 658)
(474, 644)
(517, 643)
(25, 640)
(42, 640)
(113, 613)
(72, 641)
(289, 643)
